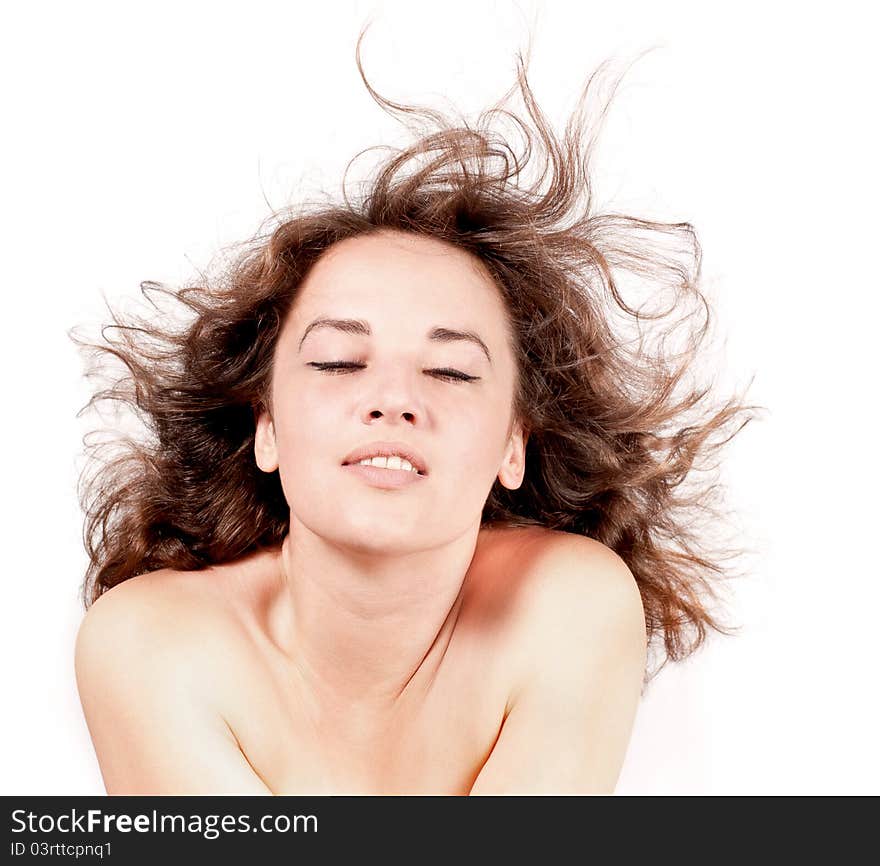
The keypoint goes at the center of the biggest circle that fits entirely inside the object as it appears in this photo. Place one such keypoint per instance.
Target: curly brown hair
(618, 448)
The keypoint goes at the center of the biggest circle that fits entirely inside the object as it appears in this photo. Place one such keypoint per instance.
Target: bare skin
(238, 716)
(391, 644)
(432, 738)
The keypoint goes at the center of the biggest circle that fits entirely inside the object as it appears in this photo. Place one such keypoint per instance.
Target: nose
(392, 411)
(394, 398)
(406, 416)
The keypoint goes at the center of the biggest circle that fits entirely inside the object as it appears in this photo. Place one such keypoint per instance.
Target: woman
(410, 510)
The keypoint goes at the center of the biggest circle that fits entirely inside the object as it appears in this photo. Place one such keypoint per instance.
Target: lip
(387, 478)
(388, 449)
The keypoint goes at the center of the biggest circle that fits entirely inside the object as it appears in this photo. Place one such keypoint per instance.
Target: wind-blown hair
(618, 448)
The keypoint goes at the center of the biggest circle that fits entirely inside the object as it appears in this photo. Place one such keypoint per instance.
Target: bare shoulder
(575, 640)
(576, 579)
(149, 685)
(177, 627)
(155, 612)
(151, 632)
(572, 554)
(536, 565)
(561, 596)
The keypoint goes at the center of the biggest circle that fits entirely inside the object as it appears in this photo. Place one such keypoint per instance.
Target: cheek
(481, 440)
(307, 413)
(304, 429)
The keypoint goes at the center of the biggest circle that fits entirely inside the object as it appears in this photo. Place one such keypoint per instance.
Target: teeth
(393, 462)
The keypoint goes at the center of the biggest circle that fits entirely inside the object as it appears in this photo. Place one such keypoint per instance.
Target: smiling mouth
(413, 471)
(385, 477)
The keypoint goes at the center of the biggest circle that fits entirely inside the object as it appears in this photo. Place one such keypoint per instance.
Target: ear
(265, 448)
(513, 467)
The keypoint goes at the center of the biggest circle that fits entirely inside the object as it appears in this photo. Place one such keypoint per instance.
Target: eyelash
(335, 368)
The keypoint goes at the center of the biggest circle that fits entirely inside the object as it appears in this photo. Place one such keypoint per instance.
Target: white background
(138, 140)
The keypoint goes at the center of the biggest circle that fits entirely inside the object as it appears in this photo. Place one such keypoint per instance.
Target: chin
(379, 529)
(374, 541)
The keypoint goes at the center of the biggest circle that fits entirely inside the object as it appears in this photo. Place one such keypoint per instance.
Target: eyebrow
(362, 328)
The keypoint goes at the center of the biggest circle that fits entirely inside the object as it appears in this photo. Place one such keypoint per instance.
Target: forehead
(403, 276)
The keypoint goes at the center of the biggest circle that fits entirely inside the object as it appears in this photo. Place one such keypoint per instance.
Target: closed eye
(337, 367)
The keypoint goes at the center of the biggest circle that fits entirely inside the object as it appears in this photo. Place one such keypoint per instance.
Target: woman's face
(401, 295)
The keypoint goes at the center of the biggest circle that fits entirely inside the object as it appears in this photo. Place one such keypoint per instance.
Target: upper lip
(387, 449)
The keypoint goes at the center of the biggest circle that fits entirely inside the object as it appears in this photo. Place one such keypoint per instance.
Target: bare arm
(151, 720)
(570, 717)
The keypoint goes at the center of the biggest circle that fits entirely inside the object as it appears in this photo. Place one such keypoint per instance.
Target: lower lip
(379, 477)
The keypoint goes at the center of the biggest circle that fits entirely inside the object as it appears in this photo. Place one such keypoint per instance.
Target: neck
(364, 629)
